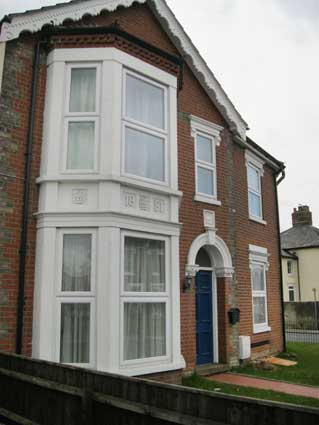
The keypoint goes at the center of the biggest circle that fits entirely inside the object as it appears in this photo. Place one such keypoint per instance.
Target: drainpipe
(277, 182)
(26, 200)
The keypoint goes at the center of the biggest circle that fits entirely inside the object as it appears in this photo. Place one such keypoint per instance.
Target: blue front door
(204, 318)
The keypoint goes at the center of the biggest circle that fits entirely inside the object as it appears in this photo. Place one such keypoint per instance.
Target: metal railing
(305, 330)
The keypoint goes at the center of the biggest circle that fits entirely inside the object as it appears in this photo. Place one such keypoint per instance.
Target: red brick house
(139, 223)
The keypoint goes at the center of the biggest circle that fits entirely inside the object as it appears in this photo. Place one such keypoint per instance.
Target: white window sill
(207, 200)
(258, 220)
(259, 330)
(147, 369)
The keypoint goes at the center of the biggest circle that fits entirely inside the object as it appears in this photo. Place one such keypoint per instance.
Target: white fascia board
(34, 21)
(111, 54)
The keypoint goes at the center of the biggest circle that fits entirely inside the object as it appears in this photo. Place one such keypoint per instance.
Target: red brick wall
(232, 221)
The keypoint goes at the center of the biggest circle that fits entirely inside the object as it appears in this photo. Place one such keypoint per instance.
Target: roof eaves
(35, 20)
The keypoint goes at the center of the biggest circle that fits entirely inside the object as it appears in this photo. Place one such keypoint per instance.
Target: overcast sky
(265, 55)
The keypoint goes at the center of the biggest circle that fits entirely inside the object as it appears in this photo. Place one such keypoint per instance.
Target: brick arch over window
(217, 250)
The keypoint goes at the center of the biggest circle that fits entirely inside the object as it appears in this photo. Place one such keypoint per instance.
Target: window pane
(259, 310)
(253, 179)
(258, 278)
(144, 330)
(255, 205)
(75, 333)
(81, 146)
(205, 181)
(144, 102)
(144, 265)
(144, 155)
(83, 90)
(291, 294)
(76, 267)
(204, 149)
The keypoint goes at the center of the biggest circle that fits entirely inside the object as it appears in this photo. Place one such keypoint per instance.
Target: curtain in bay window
(144, 154)
(76, 267)
(144, 102)
(144, 330)
(81, 140)
(75, 333)
(83, 90)
(144, 265)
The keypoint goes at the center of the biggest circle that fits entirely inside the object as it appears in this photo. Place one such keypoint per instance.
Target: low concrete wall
(302, 315)
(41, 393)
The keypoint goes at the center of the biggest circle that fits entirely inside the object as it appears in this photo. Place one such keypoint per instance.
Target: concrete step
(211, 369)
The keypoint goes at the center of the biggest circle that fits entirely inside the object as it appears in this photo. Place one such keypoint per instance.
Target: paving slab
(266, 384)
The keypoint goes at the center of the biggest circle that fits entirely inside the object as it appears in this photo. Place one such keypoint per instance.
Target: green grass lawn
(306, 371)
(196, 381)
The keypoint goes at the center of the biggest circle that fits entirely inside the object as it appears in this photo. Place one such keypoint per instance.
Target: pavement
(266, 384)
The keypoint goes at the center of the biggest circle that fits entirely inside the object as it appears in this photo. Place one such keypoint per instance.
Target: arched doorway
(206, 310)
(210, 263)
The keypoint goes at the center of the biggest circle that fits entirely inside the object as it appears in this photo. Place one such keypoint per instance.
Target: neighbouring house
(300, 257)
(139, 223)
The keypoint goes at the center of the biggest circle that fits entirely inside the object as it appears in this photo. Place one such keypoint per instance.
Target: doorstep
(211, 369)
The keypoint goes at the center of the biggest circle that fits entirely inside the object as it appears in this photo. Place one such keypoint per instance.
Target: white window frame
(257, 165)
(128, 122)
(258, 257)
(211, 131)
(76, 297)
(289, 267)
(291, 288)
(81, 117)
(146, 297)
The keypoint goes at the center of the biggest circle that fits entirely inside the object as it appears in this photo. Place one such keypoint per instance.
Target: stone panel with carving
(145, 203)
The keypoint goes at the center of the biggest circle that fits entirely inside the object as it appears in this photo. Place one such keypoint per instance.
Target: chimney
(302, 216)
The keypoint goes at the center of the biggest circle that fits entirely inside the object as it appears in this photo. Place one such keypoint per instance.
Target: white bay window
(81, 117)
(145, 128)
(75, 297)
(144, 298)
(115, 165)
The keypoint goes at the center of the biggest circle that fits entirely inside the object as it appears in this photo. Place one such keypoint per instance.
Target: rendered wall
(290, 279)
(309, 273)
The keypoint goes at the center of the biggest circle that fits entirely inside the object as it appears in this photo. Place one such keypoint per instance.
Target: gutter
(276, 165)
(277, 181)
(26, 200)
